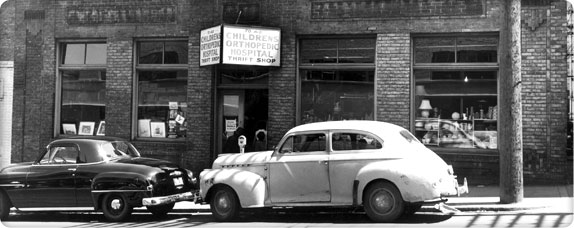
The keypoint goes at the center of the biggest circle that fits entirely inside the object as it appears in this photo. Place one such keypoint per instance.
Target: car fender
(128, 182)
(249, 186)
(413, 186)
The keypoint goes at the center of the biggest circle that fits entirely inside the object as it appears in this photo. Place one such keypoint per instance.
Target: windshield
(119, 149)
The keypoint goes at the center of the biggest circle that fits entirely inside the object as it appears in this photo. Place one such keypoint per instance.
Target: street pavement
(479, 199)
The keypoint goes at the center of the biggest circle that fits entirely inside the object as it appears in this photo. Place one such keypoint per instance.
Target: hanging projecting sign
(241, 45)
(210, 46)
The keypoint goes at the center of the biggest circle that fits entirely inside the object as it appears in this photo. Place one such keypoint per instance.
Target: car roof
(89, 138)
(367, 125)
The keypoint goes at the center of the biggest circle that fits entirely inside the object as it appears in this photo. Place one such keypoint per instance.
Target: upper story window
(161, 93)
(82, 88)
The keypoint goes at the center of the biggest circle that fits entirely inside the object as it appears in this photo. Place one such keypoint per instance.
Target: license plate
(178, 181)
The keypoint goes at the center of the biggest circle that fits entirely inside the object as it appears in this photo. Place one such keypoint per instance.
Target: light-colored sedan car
(373, 165)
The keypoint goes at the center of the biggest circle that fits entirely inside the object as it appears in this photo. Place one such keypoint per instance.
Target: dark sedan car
(105, 173)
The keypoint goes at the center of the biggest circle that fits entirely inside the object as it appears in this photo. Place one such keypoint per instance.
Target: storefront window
(162, 89)
(456, 105)
(337, 79)
(82, 89)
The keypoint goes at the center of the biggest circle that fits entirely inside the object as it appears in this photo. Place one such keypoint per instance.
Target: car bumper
(455, 189)
(161, 200)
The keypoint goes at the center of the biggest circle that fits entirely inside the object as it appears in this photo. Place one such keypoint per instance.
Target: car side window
(304, 143)
(60, 155)
(353, 141)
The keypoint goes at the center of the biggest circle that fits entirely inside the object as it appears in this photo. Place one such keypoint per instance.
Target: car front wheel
(4, 205)
(383, 202)
(116, 207)
(224, 204)
(160, 210)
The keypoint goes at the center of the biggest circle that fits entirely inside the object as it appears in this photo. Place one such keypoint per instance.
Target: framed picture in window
(144, 128)
(86, 128)
(69, 129)
(157, 129)
(101, 128)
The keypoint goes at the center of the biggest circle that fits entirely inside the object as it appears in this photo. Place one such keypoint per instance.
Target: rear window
(119, 149)
(354, 141)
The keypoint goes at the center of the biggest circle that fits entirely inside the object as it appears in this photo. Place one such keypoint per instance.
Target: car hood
(251, 158)
(152, 162)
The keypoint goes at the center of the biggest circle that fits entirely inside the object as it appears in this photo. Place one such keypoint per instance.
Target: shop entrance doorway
(244, 111)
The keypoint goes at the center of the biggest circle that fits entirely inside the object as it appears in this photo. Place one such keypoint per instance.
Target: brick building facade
(389, 56)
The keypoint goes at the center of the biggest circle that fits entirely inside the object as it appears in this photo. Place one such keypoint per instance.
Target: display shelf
(456, 133)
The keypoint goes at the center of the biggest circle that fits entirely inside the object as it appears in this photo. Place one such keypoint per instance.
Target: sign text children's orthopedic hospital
(229, 44)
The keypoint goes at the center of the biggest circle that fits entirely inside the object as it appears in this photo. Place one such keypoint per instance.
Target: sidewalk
(479, 199)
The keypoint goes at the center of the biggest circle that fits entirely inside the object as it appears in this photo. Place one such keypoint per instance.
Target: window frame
(137, 68)
(301, 67)
(60, 66)
(357, 150)
(456, 66)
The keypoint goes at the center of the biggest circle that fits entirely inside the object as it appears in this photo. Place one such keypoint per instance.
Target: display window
(456, 103)
(82, 88)
(161, 74)
(337, 79)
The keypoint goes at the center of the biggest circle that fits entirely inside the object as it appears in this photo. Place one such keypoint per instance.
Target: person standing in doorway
(231, 145)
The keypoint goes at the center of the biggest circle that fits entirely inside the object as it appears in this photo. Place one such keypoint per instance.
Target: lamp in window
(425, 107)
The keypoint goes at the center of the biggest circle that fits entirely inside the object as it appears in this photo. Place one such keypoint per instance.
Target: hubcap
(383, 201)
(116, 204)
(223, 203)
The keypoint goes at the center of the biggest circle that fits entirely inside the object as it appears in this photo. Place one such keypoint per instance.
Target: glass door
(242, 112)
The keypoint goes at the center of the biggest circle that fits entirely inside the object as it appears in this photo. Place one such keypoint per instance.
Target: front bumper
(161, 200)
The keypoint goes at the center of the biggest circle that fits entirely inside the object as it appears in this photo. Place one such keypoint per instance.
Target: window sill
(465, 151)
(144, 139)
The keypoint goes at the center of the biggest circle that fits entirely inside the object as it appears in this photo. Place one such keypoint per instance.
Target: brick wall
(44, 24)
(393, 81)
(7, 31)
(544, 71)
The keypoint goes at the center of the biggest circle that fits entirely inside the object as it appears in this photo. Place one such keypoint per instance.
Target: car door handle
(324, 162)
(72, 169)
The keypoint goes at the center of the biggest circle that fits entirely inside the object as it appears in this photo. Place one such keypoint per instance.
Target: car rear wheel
(383, 202)
(224, 204)
(160, 210)
(115, 207)
(5, 205)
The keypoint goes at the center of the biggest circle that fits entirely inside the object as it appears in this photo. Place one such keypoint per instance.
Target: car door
(299, 170)
(50, 181)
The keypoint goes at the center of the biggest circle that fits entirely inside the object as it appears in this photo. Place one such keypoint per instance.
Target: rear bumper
(161, 200)
(461, 189)
(454, 189)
